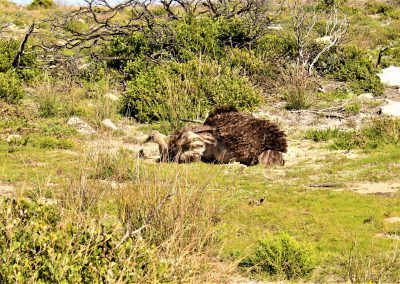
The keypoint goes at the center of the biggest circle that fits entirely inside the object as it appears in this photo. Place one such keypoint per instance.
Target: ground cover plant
(83, 199)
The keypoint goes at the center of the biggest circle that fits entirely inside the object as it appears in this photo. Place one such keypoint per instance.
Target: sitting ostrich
(226, 136)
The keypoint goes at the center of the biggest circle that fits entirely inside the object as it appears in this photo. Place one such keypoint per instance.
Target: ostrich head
(160, 139)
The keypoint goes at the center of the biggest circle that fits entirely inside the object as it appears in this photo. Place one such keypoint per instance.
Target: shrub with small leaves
(281, 256)
(11, 90)
(187, 90)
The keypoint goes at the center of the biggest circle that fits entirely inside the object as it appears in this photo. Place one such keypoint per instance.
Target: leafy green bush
(187, 90)
(350, 64)
(8, 50)
(11, 89)
(46, 4)
(38, 246)
(281, 256)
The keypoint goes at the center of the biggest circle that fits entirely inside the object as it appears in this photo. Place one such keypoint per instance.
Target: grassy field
(81, 206)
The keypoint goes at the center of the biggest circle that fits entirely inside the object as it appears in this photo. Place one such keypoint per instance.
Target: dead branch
(21, 49)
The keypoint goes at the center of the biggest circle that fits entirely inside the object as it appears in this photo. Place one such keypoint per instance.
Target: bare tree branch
(21, 49)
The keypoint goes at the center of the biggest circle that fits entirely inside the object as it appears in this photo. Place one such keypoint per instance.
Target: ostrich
(226, 136)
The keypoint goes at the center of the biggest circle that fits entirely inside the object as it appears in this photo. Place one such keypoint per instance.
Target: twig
(190, 120)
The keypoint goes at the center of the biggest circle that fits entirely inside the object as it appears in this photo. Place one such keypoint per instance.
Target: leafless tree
(310, 46)
(105, 21)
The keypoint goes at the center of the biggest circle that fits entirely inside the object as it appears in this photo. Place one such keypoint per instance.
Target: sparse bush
(186, 90)
(48, 106)
(11, 89)
(281, 256)
(298, 88)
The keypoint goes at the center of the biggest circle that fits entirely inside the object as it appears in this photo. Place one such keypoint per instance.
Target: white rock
(13, 138)
(393, 220)
(324, 40)
(366, 96)
(392, 108)
(112, 97)
(277, 27)
(390, 76)
(81, 125)
(109, 124)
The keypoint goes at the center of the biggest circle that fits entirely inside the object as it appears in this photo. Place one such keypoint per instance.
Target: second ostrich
(226, 136)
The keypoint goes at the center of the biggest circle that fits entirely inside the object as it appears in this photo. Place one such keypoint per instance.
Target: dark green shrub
(8, 49)
(281, 256)
(352, 65)
(178, 40)
(46, 4)
(187, 90)
(11, 89)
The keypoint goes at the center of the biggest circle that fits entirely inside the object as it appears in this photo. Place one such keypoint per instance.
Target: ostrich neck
(162, 144)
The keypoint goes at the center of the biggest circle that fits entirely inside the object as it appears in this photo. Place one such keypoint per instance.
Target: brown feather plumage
(244, 135)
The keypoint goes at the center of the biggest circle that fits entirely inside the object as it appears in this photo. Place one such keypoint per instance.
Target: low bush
(187, 90)
(352, 65)
(281, 256)
(378, 132)
(11, 90)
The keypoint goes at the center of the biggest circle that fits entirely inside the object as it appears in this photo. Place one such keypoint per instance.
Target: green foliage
(187, 90)
(353, 108)
(352, 65)
(45, 4)
(281, 256)
(48, 142)
(37, 245)
(8, 50)
(11, 89)
(318, 135)
(378, 132)
(48, 106)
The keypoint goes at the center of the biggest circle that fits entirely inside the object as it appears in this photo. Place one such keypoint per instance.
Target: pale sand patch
(377, 187)
(6, 189)
(393, 220)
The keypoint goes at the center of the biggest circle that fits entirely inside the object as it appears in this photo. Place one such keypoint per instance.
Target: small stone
(391, 109)
(366, 96)
(13, 138)
(112, 97)
(109, 124)
(393, 220)
(324, 40)
(81, 125)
